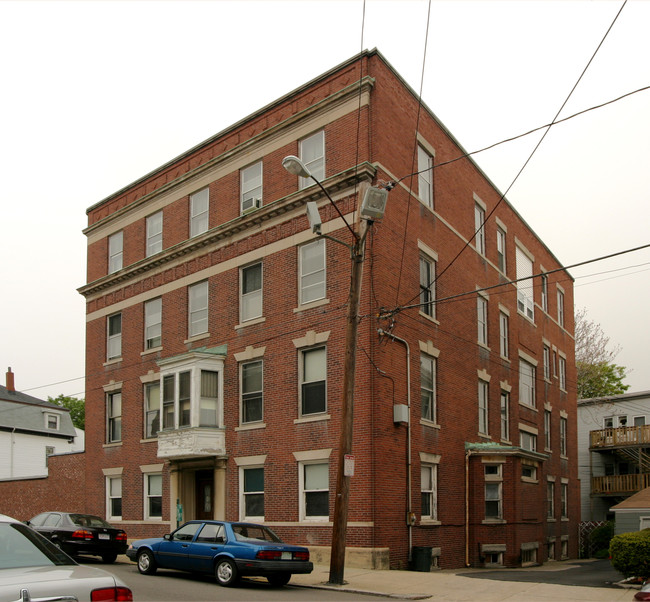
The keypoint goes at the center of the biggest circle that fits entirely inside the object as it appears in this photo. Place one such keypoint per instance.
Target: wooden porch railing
(623, 435)
(625, 483)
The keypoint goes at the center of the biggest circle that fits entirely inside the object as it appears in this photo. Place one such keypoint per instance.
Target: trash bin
(421, 559)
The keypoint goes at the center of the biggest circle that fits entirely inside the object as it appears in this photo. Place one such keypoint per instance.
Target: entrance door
(204, 494)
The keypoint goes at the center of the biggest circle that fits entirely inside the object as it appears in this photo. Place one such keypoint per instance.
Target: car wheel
(279, 579)
(146, 562)
(226, 572)
(109, 558)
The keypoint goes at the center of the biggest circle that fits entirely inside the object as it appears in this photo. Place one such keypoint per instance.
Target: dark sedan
(225, 549)
(81, 534)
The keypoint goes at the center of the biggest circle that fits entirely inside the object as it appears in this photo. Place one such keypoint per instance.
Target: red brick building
(216, 327)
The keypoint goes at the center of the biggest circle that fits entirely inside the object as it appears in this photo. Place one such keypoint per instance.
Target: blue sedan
(226, 549)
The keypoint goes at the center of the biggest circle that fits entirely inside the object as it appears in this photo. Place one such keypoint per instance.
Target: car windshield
(254, 532)
(21, 547)
(87, 520)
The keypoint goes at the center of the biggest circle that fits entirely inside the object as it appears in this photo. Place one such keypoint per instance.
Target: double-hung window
(526, 383)
(153, 495)
(525, 300)
(199, 212)
(153, 323)
(253, 492)
(560, 307)
(563, 436)
(115, 251)
(114, 498)
(313, 381)
(562, 372)
(252, 396)
(209, 398)
(547, 429)
(315, 491)
(312, 154)
(550, 499)
(493, 491)
(151, 409)
(479, 228)
(544, 292)
(503, 334)
(564, 499)
(154, 233)
(114, 336)
(501, 249)
(483, 387)
(427, 286)
(114, 417)
(429, 491)
(482, 319)
(198, 308)
(251, 292)
(312, 271)
(251, 187)
(527, 441)
(547, 362)
(428, 387)
(505, 416)
(425, 177)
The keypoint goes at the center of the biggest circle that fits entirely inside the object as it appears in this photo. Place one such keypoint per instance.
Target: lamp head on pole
(295, 166)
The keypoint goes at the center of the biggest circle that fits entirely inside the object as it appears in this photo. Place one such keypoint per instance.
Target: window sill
(311, 305)
(494, 521)
(196, 337)
(316, 418)
(114, 444)
(430, 522)
(485, 436)
(563, 457)
(251, 427)
(152, 350)
(551, 520)
(528, 406)
(505, 359)
(429, 318)
(565, 519)
(483, 346)
(114, 360)
(321, 522)
(429, 423)
(250, 322)
(529, 480)
(149, 440)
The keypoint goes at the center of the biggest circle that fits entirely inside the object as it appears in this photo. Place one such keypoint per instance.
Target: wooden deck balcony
(624, 484)
(620, 437)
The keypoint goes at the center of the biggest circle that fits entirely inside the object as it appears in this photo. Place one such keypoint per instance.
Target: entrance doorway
(204, 494)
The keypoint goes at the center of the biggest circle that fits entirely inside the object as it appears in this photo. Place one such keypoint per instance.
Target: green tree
(76, 406)
(597, 374)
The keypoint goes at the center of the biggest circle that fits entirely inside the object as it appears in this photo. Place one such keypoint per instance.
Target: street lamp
(372, 208)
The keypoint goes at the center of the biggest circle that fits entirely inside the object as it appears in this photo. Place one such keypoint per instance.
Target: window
(153, 495)
(427, 286)
(526, 383)
(562, 372)
(501, 250)
(528, 556)
(564, 547)
(199, 212)
(528, 472)
(315, 491)
(425, 177)
(428, 387)
(251, 187)
(313, 381)
(545, 292)
(312, 154)
(252, 396)
(114, 498)
(563, 436)
(528, 441)
(550, 499)
(493, 491)
(639, 421)
(525, 300)
(482, 317)
(209, 398)
(429, 489)
(52, 422)
(169, 396)
(198, 308)
(312, 271)
(152, 323)
(547, 363)
(114, 343)
(560, 307)
(479, 228)
(547, 429)
(154, 233)
(482, 407)
(564, 499)
(251, 292)
(115, 252)
(184, 398)
(151, 409)
(253, 493)
(505, 416)
(114, 417)
(503, 334)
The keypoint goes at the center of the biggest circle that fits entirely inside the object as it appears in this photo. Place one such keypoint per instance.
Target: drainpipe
(468, 453)
(11, 453)
(408, 434)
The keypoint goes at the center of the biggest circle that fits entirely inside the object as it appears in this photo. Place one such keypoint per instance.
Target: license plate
(286, 555)
(103, 536)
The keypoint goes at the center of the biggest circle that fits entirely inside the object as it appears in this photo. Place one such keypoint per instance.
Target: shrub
(630, 553)
(599, 539)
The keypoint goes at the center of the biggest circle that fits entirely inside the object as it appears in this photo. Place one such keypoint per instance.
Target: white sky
(95, 94)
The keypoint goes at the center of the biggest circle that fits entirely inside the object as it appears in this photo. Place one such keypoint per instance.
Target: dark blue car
(226, 549)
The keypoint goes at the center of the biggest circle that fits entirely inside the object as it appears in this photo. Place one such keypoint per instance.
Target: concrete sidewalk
(457, 586)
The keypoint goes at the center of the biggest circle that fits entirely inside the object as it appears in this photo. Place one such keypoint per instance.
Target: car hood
(49, 580)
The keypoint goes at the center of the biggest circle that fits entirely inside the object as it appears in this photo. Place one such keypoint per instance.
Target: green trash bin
(421, 559)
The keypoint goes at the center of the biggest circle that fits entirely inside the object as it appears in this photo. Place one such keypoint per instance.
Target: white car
(32, 569)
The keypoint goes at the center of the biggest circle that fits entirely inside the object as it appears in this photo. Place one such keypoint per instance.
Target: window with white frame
(526, 383)
(251, 187)
(501, 249)
(114, 417)
(560, 306)
(252, 399)
(153, 495)
(312, 271)
(252, 492)
(313, 381)
(550, 499)
(153, 323)
(483, 407)
(49, 451)
(427, 286)
(425, 177)
(429, 491)
(151, 409)
(198, 308)
(493, 491)
(315, 490)
(312, 154)
(504, 327)
(547, 429)
(525, 299)
(482, 319)
(562, 372)
(563, 436)
(527, 441)
(154, 233)
(479, 228)
(528, 556)
(544, 291)
(251, 292)
(505, 416)
(115, 252)
(114, 336)
(564, 500)
(428, 387)
(199, 212)
(547, 362)
(114, 498)
(52, 421)
(209, 398)
(528, 471)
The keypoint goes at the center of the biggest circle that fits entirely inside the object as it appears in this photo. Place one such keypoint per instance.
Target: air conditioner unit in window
(251, 203)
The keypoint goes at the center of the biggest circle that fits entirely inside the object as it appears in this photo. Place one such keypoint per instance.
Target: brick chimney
(10, 381)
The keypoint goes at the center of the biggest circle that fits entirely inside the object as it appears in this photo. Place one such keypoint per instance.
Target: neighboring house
(632, 514)
(32, 430)
(216, 324)
(613, 451)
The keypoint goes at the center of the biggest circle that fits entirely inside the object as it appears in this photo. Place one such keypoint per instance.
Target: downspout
(409, 509)
(468, 453)
(11, 453)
